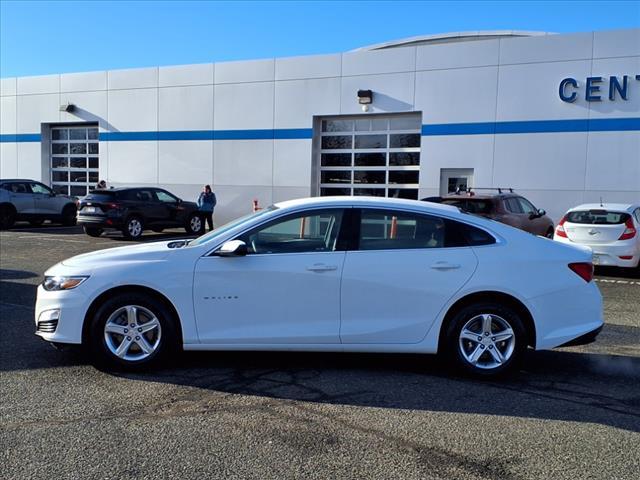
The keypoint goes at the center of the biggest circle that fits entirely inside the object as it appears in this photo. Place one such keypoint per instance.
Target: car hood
(135, 253)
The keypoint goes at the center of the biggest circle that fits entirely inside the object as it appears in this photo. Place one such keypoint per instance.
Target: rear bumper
(585, 339)
(609, 254)
(99, 222)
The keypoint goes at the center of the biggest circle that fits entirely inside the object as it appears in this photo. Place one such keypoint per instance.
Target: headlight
(51, 284)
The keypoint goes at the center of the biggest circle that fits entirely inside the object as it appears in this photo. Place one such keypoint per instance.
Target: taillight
(583, 269)
(630, 231)
(560, 228)
(113, 206)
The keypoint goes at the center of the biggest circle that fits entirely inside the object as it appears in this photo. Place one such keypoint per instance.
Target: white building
(556, 117)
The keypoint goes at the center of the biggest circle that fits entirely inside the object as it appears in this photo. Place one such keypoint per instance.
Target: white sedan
(609, 229)
(341, 274)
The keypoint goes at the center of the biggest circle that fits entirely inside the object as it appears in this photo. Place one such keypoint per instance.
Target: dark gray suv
(22, 199)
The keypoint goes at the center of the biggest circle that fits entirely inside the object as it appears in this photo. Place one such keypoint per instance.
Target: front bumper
(72, 306)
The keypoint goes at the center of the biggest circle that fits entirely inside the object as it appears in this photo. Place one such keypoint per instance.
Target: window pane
(93, 148)
(59, 176)
(77, 134)
(404, 140)
(38, 188)
(165, 197)
(340, 176)
(363, 125)
(78, 191)
(78, 162)
(379, 124)
(59, 162)
(317, 232)
(369, 177)
(327, 192)
(61, 189)
(93, 134)
(93, 162)
(62, 134)
(382, 230)
(337, 125)
(408, 193)
(371, 141)
(77, 176)
(93, 177)
(405, 123)
(369, 192)
(336, 142)
(335, 160)
(370, 159)
(526, 206)
(58, 148)
(78, 148)
(403, 159)
(403, 176)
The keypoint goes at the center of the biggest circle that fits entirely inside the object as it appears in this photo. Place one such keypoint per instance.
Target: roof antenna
(601, 202)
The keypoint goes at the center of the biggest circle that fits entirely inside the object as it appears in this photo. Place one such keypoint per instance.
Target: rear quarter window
(597, 217)
(462, 234)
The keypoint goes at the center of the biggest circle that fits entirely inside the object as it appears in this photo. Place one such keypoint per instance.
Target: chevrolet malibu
(341, 274)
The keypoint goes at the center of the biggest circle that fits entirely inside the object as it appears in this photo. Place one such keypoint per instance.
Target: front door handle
(445, 266)
(321, 267)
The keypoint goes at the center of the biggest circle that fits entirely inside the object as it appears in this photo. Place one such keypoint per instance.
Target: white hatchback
(609, 229)
(334, 274)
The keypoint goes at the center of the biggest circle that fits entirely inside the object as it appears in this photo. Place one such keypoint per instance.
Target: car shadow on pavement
(45, 229)
(618, 272)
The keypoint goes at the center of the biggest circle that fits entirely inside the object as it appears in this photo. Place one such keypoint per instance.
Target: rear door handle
(445, 266)
(321, 267)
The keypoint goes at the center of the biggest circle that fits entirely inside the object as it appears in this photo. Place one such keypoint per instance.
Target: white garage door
(370, 155)
(74, 159)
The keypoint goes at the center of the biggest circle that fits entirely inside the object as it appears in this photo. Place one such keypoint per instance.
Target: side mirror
(232, 248)
(179, 201)
(542, 212)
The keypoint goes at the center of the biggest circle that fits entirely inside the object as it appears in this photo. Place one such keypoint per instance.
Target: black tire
(69, 218)
(549, 233)
(487, 365)
(92, 231)
(165, 339)
(36, 223)
(133, 228)
(195, 224)
(7, 216)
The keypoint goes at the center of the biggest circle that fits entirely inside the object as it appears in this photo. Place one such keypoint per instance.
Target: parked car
(357, 274)
(132, 210)
(610, 229)
(23, 199)
(509, 208)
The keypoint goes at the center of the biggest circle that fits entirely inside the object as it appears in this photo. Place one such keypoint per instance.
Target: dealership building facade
(554, 116)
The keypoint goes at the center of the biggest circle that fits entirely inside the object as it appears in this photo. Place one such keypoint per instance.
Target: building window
(74, 159)
(370, 155)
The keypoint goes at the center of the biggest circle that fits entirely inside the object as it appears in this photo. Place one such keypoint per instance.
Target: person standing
(206, 204)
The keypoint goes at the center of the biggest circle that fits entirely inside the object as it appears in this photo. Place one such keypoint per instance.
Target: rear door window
(597, 217)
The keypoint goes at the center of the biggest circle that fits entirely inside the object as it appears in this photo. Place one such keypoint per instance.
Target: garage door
(370, 155)
(74, 159)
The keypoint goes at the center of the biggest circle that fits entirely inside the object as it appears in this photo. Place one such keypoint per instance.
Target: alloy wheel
(195, 223)
(134, 227)
(132, 333)
(487, 341)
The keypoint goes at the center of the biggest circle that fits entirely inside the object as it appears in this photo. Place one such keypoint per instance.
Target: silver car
(22, 199)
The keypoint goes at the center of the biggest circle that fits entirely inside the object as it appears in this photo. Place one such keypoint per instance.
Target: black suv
(132, 210)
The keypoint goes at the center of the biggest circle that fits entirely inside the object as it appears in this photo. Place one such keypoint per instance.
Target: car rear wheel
(69, 215)
(92, 231)
(133, 228)
(195, 225)
(7, 216)
(549, 233)
(130, 331)
(486, 339)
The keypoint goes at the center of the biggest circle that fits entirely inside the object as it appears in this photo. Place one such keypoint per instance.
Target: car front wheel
(133, 228)
(195, 225)
(130, 331)
(69, 215)
(7, 216)
(486, 339)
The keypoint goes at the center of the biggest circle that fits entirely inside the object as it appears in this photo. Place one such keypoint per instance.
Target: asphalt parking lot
(570, 413)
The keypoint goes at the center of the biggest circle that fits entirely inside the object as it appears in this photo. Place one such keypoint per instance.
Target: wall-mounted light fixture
(67, 107)
(365, 98)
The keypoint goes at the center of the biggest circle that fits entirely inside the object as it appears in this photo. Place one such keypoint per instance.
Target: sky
(72, 36)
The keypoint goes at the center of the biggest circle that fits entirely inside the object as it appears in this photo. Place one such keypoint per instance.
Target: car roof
(475, 197)
(614, 207)
(4, 180)
(364, 201)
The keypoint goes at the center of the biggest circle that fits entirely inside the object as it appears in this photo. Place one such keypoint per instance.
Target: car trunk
(97, 203)
(595, 226)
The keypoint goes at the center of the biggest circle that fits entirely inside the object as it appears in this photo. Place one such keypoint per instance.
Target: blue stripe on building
(442, 129)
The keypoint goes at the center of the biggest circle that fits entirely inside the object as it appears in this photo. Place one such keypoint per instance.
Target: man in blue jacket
(206, 204)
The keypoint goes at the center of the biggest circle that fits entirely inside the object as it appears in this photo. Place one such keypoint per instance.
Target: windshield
(228, 226)
(597, 217)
